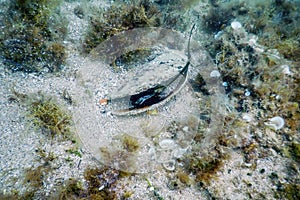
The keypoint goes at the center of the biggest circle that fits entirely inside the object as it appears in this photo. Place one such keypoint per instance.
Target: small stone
(275, 123)
(185, 129)
(259, 134)
(218, 35)
(247, 117)
(101, 187)
(286, 70)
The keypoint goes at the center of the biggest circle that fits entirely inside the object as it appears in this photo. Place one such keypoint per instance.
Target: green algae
(34, 177)
(119, 18)
(47, 114)
(294, 151)
(129, 143)
(101, 183)
(278, 27)
(130, 58)
(73, 189)
(290, 191)
(33, 43)
(184, 178)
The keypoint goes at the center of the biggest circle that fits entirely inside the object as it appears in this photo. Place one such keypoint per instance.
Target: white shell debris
(185, 129)
(275, 123)
(169, 165)
(286, 70)
(167, 144)
(218, 35)
(247, 117)
(178, 153)
(236, 25)
(215, 74)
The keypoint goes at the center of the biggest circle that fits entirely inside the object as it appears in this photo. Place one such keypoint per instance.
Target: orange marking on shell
(103, 101)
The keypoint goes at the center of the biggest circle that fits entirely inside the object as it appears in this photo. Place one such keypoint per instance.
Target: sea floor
(231, 132)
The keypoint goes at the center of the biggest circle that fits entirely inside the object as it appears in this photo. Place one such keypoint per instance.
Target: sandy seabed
(20, 140)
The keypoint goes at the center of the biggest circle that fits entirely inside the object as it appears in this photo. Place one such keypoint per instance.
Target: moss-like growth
(117, 19)
(174, 13)
(32, 39)
(129, 143)
(279, 26)
(35, 176)
(9, 196)
(290, 192)
(127, 195)
(294, 150)
(130, 58)
(203, 167)
(100, 183)
(216, 19)
(184, 178)
(72, 190)
(50, 116)
(56, 55)
(289, 48)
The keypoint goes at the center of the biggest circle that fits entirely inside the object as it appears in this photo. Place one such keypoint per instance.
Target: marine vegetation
(277, 26)
(120, 18)
(48, 115)
(31, 36)
(100, 184)
(174, 13)
(131, 58)
(203, 167)
(129, 143)
(35, 176)
(73, 189)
